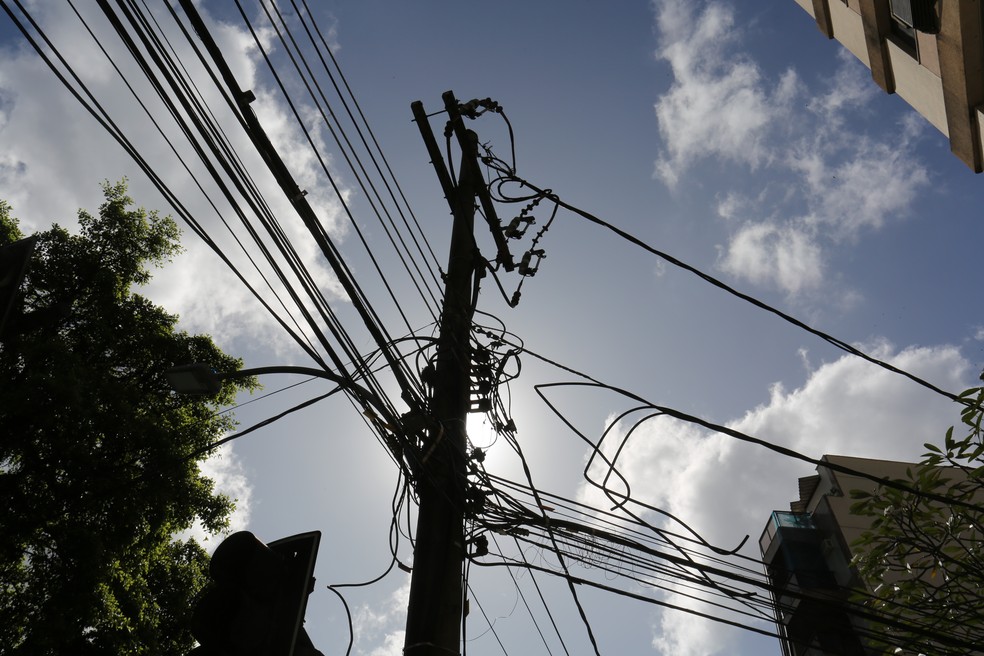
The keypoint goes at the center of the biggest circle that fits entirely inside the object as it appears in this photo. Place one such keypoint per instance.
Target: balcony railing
(783, 519)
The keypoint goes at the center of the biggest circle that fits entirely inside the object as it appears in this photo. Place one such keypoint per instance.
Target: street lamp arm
(345, 383)
(284, 369)
(201, 379)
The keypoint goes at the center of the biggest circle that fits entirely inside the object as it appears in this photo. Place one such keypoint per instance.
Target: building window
(916, 15)
(904, 36)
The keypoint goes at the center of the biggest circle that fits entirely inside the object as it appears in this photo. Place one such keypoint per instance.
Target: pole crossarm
(468, 142)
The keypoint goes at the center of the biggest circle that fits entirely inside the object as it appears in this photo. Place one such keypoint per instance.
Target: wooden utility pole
(436, 601)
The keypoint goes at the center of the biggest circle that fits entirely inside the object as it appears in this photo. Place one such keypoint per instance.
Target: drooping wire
(490, 623)
(759, 605)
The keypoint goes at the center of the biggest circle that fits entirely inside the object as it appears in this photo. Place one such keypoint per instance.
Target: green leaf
(96, 478)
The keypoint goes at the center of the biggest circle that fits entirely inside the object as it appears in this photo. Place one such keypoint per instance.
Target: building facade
(808, 560)
(815, 589)
(929, 52)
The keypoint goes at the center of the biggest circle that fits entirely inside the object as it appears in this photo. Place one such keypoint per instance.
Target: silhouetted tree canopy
(96, 467)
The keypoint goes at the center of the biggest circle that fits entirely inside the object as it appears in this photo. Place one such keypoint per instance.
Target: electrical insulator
(518, 226)
(527, 267)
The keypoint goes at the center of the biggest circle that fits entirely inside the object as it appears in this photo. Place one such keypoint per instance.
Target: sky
(728, 134)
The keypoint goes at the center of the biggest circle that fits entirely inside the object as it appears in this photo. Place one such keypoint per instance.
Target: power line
(345, 146)
(97, 111)
(558, 536)
(507, 176)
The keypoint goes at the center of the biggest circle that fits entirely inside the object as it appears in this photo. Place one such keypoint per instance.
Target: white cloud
(225, 468)
(730, 204)
(858, 187)
(697, 640)
(723, 106)
(725, 489)
(392, 646)
(766, 253)
(719, 104)
(380, 624)
(847, 93)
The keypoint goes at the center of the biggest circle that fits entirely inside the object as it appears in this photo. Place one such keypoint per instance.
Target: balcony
(780, 519)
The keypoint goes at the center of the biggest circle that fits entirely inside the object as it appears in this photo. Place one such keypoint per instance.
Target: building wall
(852, 526)
(940, 76)
(848, 30)
(821, 519)
(928, 52)
(919, 86)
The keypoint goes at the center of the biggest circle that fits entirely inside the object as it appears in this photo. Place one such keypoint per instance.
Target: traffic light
(254, 604)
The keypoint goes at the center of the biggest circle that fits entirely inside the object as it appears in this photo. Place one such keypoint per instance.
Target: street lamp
(195, 379)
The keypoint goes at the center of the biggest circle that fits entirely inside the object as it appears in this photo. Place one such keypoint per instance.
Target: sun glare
(482, 436)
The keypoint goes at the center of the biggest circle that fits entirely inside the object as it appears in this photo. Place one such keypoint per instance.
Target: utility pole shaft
(435, 608)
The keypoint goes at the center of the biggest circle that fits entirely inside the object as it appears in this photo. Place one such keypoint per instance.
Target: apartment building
(929, 52)
(807, 552)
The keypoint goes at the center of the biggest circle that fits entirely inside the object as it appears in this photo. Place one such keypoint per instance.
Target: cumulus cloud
(784, 254)
(199, 286)
(838, 183)
(719, 104)
(381, 624)
(225, 468)
(725, 489)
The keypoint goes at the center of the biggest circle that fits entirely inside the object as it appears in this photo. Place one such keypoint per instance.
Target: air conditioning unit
(920, 15)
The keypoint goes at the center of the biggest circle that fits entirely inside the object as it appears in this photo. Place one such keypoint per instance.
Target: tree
(99, 459)
(926, 557)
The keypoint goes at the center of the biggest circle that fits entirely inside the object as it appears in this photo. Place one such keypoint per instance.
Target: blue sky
(731, 135)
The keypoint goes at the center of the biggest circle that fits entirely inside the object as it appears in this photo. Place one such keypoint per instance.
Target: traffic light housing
(254, 604)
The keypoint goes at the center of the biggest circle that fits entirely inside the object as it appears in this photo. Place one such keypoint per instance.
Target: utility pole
(436, 603)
